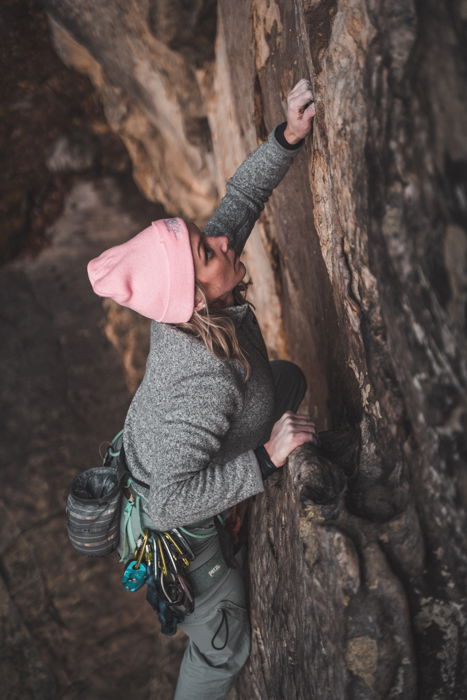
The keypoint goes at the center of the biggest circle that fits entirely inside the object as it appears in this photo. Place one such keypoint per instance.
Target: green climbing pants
(219, 639)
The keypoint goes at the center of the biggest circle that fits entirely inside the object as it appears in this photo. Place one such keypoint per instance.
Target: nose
(224, 243)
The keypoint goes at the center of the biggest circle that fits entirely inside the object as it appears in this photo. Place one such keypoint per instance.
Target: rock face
(360, 277)
(158, 112)
(47, 112)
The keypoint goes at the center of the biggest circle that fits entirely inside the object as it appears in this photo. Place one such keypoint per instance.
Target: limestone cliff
(359, 275)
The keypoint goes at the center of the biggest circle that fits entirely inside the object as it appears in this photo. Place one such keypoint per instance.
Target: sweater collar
(238, 312)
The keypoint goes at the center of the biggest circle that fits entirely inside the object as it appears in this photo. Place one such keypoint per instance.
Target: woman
(212, 417)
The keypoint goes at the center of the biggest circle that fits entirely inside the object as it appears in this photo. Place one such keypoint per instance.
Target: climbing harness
(104, 513)
(161, 560)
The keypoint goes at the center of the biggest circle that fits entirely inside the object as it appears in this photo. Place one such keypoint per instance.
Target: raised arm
(252, 184)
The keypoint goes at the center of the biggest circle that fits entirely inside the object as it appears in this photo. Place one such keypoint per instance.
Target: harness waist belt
(124, 471)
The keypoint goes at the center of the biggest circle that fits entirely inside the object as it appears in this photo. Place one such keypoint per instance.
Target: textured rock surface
(147, 61)
(42, 104)
(360, 277)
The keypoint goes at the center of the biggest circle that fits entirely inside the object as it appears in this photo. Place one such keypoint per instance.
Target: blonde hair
(216, 328)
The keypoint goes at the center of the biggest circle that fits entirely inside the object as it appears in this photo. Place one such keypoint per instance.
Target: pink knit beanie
(152, 273)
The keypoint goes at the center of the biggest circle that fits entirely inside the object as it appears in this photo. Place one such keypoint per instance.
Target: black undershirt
(279, 134)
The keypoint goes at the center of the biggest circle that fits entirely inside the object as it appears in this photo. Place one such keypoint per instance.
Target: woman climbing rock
(212, 417)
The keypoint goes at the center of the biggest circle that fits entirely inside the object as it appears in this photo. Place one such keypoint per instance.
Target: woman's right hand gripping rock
(290, 431)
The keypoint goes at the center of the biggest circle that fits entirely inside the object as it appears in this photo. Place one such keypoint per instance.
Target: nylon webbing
(128, 511)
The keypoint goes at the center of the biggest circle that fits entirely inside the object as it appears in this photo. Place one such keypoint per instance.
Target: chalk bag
(93, 511)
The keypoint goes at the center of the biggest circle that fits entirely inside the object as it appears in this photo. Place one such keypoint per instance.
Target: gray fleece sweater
(193, 423)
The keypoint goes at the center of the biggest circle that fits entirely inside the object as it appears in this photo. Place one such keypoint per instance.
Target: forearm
(250, 188)
(205, 493)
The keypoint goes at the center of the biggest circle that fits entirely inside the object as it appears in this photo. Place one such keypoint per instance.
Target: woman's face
(217, 267)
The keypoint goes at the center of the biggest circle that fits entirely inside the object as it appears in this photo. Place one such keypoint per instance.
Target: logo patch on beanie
(174, 226)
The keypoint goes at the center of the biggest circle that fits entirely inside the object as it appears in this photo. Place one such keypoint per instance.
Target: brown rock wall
(359, 271)
(150, 91)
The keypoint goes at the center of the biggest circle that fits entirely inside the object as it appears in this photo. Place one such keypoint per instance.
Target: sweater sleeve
(187, 483)
(249, 189)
